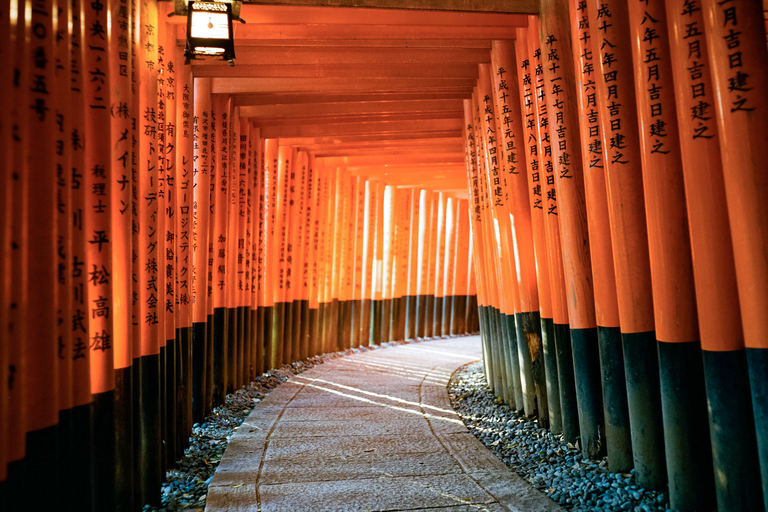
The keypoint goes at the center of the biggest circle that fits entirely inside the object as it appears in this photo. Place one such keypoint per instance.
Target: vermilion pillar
(530, 149)
(626, 208)
(550, 210)
(122, 113)
(737, 53)
(615, 411)
(560, 85)
(680, 371)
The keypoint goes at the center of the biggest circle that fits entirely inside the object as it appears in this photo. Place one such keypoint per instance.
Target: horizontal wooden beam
(348, 71)
(458, 6)
(355, 119)
(293, 55)
(331, 139)
(336, 85)
(305, 99)
(349, 108)
(381, 159)
(255, 32)
(381, 129)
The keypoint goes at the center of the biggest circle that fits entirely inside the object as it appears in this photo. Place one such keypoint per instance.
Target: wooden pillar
(569, 179)
(411, 293)
(551, 211)
(122, 111)
(683, 399)
(535, 202)
(738, 58)
(626, 208)
(615, 411)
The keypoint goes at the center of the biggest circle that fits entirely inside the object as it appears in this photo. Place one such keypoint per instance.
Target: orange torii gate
(170, 232)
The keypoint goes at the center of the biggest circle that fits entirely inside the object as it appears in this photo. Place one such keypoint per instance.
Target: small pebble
(550, 465)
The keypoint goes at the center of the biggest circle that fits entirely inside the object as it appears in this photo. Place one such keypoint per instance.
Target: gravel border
(186, 485)
(542, 458)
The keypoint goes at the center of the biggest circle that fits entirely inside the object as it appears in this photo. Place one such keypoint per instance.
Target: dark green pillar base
(589, 394)
(757, 360)
(569, 411)
(150, 474)
(686, 429)
(219, 362)
(103, 453)
(530, 354)
(123, 471)
(199, 366)
(552, 380)
(618, 439)
(40, 466)
(641, 372)
(732, 432)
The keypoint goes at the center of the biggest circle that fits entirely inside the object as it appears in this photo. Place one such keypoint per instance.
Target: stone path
(372, 431)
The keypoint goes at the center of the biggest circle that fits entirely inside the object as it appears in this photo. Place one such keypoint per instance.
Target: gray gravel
(542, 458)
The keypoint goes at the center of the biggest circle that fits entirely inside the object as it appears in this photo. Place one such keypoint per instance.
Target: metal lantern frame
(194, 45)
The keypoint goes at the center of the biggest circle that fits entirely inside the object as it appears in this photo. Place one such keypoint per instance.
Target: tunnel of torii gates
(582, 181)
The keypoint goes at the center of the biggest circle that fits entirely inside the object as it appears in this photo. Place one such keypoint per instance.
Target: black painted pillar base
(220, 354)
(231, 357)
(569, 411)
(686, 429)
(365, 323)
(484, 342)
(732, 432)
(589, 393)
(641, 371)
(168, 381)
(287, 339)
(429, 312)
(14, 495)
(123, 470)
(333, 322)
(506, 347)
(149, 447)
(40, 466)
(266, 329)
(103, 453)
(209, 336)
(386, 320)
(618, 438)
(757, 360)
(64, 456)
(534, 403)
(276, 336)
(304, 326)
(80, 418)
(437, 317)
(243, 367)
(517, 401)
(184, 335)
(552, 384)
(199, 365)
(314, 332)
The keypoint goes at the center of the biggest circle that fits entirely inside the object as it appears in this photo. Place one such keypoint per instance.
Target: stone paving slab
(371, 431)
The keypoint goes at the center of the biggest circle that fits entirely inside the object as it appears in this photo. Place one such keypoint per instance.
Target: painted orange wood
(184, 189)
(220, 181)
(551, 207)
(674, 300)
(200, 213)
(526, 76)
(96, 217)
(619, 132)
(562, 108)
(739, 61)
(593, 163)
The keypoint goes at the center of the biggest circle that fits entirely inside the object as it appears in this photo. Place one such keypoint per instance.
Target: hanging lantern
(209, 31)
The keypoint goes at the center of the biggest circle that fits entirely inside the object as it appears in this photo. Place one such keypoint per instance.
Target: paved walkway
(372, 431)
